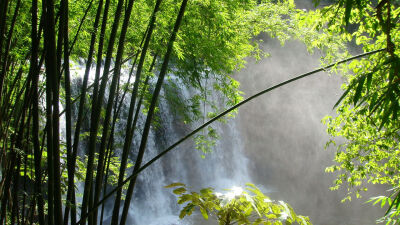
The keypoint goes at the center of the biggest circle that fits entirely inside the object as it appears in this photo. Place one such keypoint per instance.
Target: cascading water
(225, 167)
(152, 204)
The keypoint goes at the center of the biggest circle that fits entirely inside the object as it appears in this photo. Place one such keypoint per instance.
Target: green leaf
(369, 79)
(344, 94)
(174, 185)
(395, 107)
(376, 199)
(184, 198)
(316, 3)
(204, 213)
(383, 202)
(385, 118)
(396, 202)
(206, 191)
(179, 191)
(187, 210)
(359, 89)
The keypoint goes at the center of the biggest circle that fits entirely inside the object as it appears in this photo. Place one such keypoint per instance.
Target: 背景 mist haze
(284, 138)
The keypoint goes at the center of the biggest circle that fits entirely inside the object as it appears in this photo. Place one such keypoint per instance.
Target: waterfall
(225, 167)
(152, 204)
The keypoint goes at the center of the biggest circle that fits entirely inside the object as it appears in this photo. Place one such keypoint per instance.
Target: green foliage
(114, 165)
(365, 131)
(206, 140)
(367, 116)
(236, 206)
(392, 202)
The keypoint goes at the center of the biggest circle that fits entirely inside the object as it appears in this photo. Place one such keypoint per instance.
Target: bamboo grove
(58, 129)
(54, 136)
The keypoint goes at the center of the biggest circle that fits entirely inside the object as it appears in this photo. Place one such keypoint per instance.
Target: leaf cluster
(236, 206)
(365, 130)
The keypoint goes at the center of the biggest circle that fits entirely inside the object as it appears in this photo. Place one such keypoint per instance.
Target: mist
(284, 138)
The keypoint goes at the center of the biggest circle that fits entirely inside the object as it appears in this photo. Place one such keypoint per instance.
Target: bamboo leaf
(174, 185)
(369, 79)
(396, 202)
(395, 106)
(387, 112)
(344, 94)
(184, 198)
(204, 213)
(359, 89)
(179, 191)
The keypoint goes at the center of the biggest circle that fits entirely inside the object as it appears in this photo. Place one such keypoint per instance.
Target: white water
(153, 204)
(224, 168)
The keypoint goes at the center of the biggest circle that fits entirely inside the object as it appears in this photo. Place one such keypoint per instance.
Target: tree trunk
(73, 154)
(35, 108)
(95, 116)
(52, 90)
(128, 137)
(3, 17)
(117, 72)
(3, 71)
(100, 52)
(150, 114)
